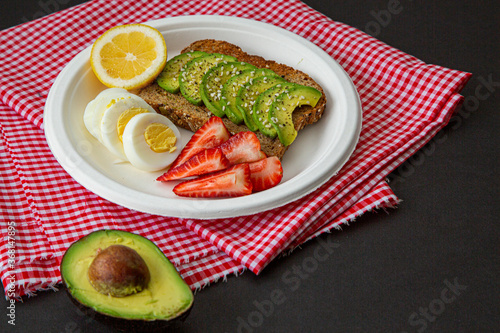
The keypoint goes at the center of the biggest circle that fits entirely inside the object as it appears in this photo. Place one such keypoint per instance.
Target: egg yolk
(114, 100)
(124, 119)
(160, 138)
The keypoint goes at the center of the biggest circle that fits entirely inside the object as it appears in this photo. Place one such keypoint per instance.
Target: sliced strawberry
(242, 147)
(265, 173)
(206, 161)
(231, 182)
(210, 135)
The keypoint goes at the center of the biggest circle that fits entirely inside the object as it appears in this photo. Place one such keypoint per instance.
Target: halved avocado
(125, 280)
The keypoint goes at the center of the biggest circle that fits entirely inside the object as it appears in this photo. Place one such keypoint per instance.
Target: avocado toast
(191, 117)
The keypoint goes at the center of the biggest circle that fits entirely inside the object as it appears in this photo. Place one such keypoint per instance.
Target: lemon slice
(128, 56)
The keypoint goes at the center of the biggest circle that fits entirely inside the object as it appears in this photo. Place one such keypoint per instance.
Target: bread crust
(192, 117)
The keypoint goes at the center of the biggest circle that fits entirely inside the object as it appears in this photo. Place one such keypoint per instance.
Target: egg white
(109, 133)
(136, 149)
(90, 110)
(102, 104)
(88, 116)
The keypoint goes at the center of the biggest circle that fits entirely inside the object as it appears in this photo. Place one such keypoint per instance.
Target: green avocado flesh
(243, 93)
(169, 77)
(281, 110)
(232, 86)
(166, 296)
(192, 73)
(263, 104)
(248, 94)
(214, 80)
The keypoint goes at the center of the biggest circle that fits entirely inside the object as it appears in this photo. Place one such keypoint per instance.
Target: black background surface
(388, 272)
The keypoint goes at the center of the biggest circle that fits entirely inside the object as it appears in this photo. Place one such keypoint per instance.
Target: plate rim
(206, 209)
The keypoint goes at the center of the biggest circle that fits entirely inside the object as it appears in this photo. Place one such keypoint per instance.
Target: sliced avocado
(262, 105)
(169, 77)
(280, 114)
(230, 91)
(213, 81)
(248, 94)
(191, 74)
(149, 295)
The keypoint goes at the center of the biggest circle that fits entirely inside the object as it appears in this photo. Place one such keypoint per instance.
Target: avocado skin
(128, 325)
(120, 323)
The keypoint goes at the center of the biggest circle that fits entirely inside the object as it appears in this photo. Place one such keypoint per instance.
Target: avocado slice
(162, 297)
(280, 114)
(262, 105)
(248, 94)
(169, 77)
(192, 72)
(214, 80)
(230, 91)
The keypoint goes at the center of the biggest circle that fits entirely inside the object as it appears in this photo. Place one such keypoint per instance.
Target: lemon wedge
(128, 56)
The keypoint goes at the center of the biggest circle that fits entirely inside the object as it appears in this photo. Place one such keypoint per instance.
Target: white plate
(319, 151)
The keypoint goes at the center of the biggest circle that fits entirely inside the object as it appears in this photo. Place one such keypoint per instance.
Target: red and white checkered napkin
(405, 102)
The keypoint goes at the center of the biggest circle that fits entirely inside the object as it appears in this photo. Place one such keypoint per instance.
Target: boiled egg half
(149, 141)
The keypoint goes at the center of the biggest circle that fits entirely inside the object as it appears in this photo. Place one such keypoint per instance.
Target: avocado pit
(118, 271)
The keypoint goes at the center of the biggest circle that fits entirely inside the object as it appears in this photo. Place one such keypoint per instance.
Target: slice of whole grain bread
(192, 117)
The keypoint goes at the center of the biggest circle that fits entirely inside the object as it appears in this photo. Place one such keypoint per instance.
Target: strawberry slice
(210, 135)
(242, 147)
(206, 161)
(265, 173)
(232, 182)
